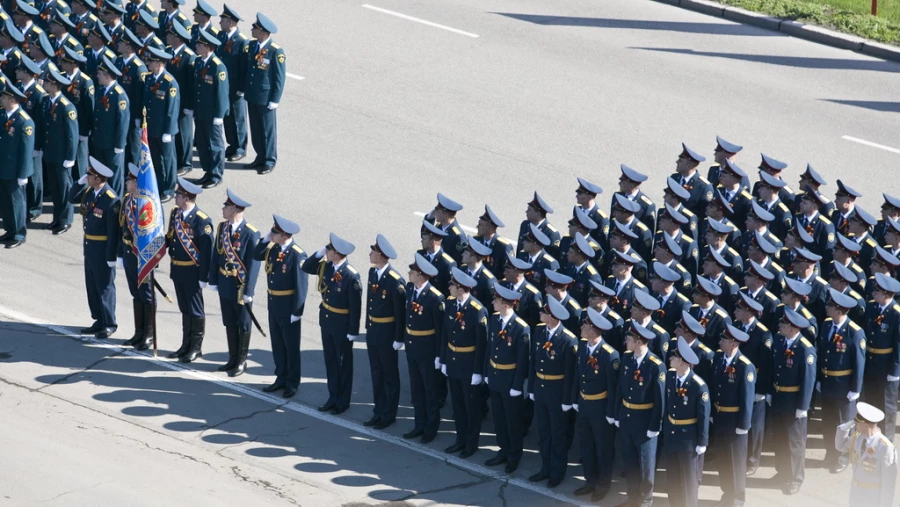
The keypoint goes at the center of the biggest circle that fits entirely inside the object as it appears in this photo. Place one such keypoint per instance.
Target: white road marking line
(293, 406)
(870, 143)
(464, 227)
(294, 76)
(418, 20)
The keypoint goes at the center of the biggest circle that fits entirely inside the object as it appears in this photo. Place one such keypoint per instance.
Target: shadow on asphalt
(636, 24)
(792, 61)
(886, 107)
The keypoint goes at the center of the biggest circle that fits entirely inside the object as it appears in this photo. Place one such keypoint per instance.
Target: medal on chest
(730, 372)
(383, 293)
(637, 376)
(789, 358)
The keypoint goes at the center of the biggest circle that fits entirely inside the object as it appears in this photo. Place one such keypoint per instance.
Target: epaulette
(549, 257)
(655, 360)
(854, 326)
(608, 348)
(639, 284)
(93, 17)
(149, 7)
(109, 53)
(763, 327)
(746, 194)
(704, 180)
(503, 240)
(451, 298)
(40, 88)
(574, 304)
(680, 268)
(732, 251)
(682, 297)
(628, 352)
(646, 200)
(242, 36)
(110, 194)
(641, 226)
(521, 322)
(435, 291)
(190, 51)
(168, 77)
(64, 101)
(771, 296)
(777, 267)
(447, 257)
(476, 305)
(275, 46)
(37, 29)
(688, 239)
(202, 215)
(591, 270)
(822, 280)
(541, 324)
(550, 227)
(686, 212)
(825, 220)
(217, 61)
(395, 275)
(24, 114)
(782, 206)
(896, 308)
(531, 288)
(119, 88)
(805, 342)
(658, 328)
(779, 305)
(352, 269)
(297, 249)
(744, 359)
(614, 315)
(721, 313)
(806, 314)
(704, 348)
(699, 380)
(181, 16)
(488, 274)
(855, 267)
(215, 30)
(855, 294)
(729, 280)
(570, 334)
(695, 306)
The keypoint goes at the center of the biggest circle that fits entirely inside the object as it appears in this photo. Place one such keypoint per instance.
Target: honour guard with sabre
(232, 274)
(873, 456)
(287, 284)
(338, 317)
(190, 240)
(141, 295)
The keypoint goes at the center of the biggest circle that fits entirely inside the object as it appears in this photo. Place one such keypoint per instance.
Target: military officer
(690, 331)
(133, 10)
(580, 270)
(598, 299)
(841, 280)
(686, 426)
(842, 356)
(795, 296)
(61, 28)
(768, 187)
(551, 379)
(141, 295)
(60, 149)
(872, 455)
(627, 212)
(580, 225)
(623, 283)
(586, 195)
(818, 226)
(882, 262)
(890, 209)
(47, 11)
(232, 273)
(687, 175)
(714, 266)
(181, 67)
(33, 105)
(113, 13)
(845, 207)
(640, 409)
(134, 71)
(793, 380)
(385, 326)
(671, 223)
(170, 14)
(473, 258)
(845, 253)
(488, 223)
(558, 287)
(98, 47)
(756, 280)
(233, 52)
(162, 102)
(758, 221)
(860, 225)
(80, 92)
(534, 253)
(758, 350)
(760, 251)
(262, 88)
(732, 384)
(804, 271)
(203, 14)
(23, 13)
(339, 315)
(536, 214)
(506, 366)
(773, 168)
(667, 252)
(444, 217)
(642, 311)
(84, 20)
(812, 179)
(735, 192)
(145, 29)
(531, 301)
(432, 238)
(724, 153)
(882, 372)
(41, 52)
(675, 195)
(796, 237)
(99, 207)
(630, 188)
(708, 312)
(208, 104)
(620, 241)
(16, 164)
(663, 282)
(287, 284)
(111, 122)
(10, 38)
(462, 352)
(424, 325)
(593, 395)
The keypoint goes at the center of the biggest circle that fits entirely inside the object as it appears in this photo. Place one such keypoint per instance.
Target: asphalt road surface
(387, 104)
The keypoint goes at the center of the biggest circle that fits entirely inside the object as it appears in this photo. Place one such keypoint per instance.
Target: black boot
(185, 337)
(149, 325)
(241, 365)
(138, 322)
(231, 332)
(198, 329)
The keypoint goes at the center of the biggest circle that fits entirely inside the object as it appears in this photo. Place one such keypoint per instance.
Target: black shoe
(15, 243)
(166, 198)
(289, 392)
(371, 422)
(538, 477)
(339, 410)
(238, 370)
(51, 226)
(838, 468)
(328, 407)
(791, 489)
(210, 183)
(105, 333)
(496, 460)
(190, 356)
(467, 453)
(511, 466)
(32, 218)
(7, 237)
(95, 327)
(273, 387)
(61, 229)
(413, 434)
(426, 439)
(455, 448)
(184, 170)
(599, 494)
(256, 164)
(584, 490)
(265, 169)
(234, 157)
(384, 424)
(752, 468)
(552, 483)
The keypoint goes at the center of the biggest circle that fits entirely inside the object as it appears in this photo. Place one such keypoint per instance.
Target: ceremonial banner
(150, 236)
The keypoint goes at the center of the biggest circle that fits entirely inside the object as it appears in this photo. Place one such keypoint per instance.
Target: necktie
(416, 294)
(618, 287)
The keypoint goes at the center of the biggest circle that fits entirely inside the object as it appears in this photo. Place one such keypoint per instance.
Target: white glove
(739, 431)
(610, 420)
(575, 406)
(189, 112)
(444, 369)
(214, 288)
(36, 153)
(800, 414)
(852, 396)
(759, 397)
(83, 138)
(398, 345)
(514, 393)
(351, 337)
(22, 181)
(847, 426)
(700, 449)
(819, 387)
(120, 263)
(118, 150)
(218, 121)
(616, 423)
(68, 163)
(203, 285)
(566, 408)
(477, 379)
(486, 381)
(892, 378)
(769, 400)
(247, 299)
(167, 138)
(268, 237)
(321, 252)
(273, 106)
(710, 419)
(111, 264)
(83, 180)
(295, 318)
(240, 94)
(437, 363)
(137, 123)
(652, 434)
(531, 396)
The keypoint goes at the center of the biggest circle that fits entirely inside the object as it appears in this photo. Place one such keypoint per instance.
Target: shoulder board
(541, 324)
(721, 313)
(639, 284)
(202, 215)
(549, 257)
(489, 274)
(109, 53)
(806, 314)
(37, 29)
(854, 327)
(641, 226)
(275, 46)
(744, 359)
(574, 304)
(39, 88)
(871, 242)
(568, 333)
(454, 229)
(64, 101)
(190, 52)
(254, 229)
(646, 199)
(777, 267)
(822, 280)
(395, 275)
(686, 212)
(782, 207)
(24, 114)
(476, 306)
(855, 294)
(168, 77)
(93, 17)
(608, 348)
(885, 440)
(729, 280)
(856, 268)
(242, 36)
(732, 251)
(352, 270)
(550, 227)
(699, 380)
(591, 270)
(763, 327)
(655, 360)
(896, 308)
(628, 352)
(658, 328)
(447, 257)
(827, 320)
(681, 268)
(771, 296)
(824, 220)
(181, 16)
(435, 291)
(531, 288)
(614, 315)
(503, 240)
(297, 249)
(451, 298)
(217, 61)
(17, 53)
(687, 239)
(119, 89)
(704, 180)
(110, 194)
(682, 297)
(704, 348)
(805, 342)
(521, 322)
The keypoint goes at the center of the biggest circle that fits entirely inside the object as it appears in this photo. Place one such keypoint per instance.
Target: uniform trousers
(385, 370)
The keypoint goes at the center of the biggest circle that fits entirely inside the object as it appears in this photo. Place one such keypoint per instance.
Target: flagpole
(153, 303)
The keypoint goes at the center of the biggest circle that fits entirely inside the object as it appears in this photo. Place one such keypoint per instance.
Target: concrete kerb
(802, 31)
